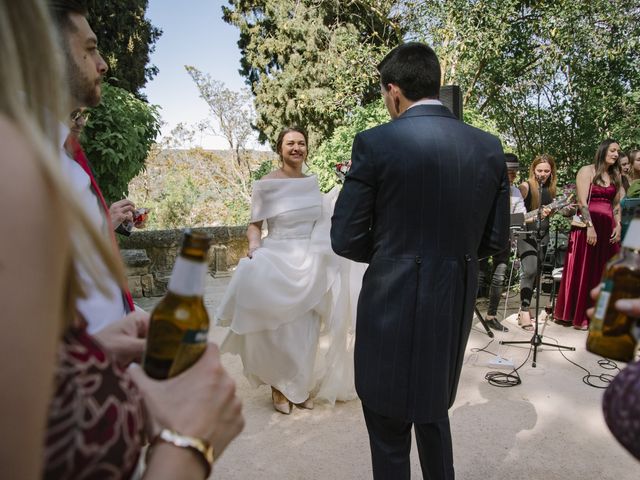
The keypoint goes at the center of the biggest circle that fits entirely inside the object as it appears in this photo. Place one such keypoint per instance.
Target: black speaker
(451, 97)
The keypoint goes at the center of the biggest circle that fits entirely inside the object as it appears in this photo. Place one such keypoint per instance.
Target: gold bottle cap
(195, 245)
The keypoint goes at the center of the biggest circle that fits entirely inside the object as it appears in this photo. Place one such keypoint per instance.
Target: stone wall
(160, 247)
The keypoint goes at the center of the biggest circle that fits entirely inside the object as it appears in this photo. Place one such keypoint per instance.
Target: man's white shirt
(517, 202)
(98, 309)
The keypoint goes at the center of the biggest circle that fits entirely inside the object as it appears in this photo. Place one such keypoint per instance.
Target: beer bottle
(611, 333)
(179, 324)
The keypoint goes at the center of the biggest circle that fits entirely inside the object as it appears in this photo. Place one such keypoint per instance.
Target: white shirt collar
(425, 101)
(63, 132)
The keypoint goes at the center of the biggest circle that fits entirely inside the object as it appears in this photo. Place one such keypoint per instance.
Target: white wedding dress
(291, 308)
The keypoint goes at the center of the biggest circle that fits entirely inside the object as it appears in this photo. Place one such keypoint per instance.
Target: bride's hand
(251, 251)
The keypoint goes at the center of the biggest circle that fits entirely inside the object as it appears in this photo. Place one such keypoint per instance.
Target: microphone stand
(536, 339)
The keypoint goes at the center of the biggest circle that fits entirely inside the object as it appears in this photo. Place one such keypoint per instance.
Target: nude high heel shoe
(308, 404)
(280, 402)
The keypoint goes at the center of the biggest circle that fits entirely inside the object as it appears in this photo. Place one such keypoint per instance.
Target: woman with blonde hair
(44, 346)
(538, 190)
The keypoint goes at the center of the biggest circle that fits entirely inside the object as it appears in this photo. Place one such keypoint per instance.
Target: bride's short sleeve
(258, 209)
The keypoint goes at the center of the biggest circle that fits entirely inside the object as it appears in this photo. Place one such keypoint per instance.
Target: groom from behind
(425, 197)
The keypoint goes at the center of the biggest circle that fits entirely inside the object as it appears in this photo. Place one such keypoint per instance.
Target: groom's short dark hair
(414, 67)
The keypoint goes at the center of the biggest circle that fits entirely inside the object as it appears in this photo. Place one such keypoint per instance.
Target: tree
(195, 187)
(310, 62)
(232, 113)
(117, 139)
(126, 40)
(553, 77)
(337, 148)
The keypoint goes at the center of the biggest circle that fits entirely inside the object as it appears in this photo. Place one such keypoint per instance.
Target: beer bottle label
(192, 346)
(163, 335)
(195, 336)
(603, 303)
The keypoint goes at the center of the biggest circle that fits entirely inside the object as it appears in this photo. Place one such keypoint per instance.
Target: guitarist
(539, 189)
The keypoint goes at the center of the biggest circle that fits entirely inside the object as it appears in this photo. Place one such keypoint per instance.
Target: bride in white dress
(291, 303)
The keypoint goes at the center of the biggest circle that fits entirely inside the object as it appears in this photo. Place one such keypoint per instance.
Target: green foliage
(265, 167)
(232, 112)
(175, 202)
(197, 187)
(337, 148)
(626, 129)
(553, 77)
(117, 138)
(478, 120)
(311, 62)
(126, 40)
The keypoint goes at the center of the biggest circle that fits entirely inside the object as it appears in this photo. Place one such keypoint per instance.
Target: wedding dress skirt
(291, 308)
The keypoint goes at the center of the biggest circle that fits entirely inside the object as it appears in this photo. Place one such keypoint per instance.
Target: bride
(290, 303)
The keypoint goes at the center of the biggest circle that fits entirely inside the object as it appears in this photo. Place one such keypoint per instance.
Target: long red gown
(584, 264)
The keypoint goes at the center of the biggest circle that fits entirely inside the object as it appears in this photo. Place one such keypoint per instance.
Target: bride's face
(294, 149)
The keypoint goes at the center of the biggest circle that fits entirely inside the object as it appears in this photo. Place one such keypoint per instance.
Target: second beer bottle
(611, 333)
(179, 324)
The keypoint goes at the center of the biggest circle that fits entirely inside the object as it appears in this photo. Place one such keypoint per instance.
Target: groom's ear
(396, 104)
(395, 93)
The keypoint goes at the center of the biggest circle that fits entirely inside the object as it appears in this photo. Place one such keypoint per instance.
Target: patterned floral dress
(95, 425)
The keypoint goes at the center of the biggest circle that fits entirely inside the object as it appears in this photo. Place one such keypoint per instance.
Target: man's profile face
(512, 173)
(85, 65)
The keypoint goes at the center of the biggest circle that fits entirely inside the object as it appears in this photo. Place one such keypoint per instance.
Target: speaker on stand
(451, 97)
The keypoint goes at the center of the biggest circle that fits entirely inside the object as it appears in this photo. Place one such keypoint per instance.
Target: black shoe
(496, 325)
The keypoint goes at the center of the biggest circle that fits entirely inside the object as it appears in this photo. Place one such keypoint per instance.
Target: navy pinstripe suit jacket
(425, 197)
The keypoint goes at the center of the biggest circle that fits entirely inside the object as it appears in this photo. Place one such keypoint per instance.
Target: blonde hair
(551, 182)
(34, 98)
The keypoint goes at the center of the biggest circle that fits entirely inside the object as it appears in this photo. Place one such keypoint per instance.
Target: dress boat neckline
(288, 178)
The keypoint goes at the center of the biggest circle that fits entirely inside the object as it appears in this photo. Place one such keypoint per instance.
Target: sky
(193, 34)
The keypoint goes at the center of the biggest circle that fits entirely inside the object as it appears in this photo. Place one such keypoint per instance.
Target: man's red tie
(72, 144)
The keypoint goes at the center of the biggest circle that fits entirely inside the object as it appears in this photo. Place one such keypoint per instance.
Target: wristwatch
(588, 223)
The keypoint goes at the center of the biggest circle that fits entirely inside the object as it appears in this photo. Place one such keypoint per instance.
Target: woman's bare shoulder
(17, 158)
(585, 173)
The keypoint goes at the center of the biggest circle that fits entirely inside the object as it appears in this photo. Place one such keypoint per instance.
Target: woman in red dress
(599, 190)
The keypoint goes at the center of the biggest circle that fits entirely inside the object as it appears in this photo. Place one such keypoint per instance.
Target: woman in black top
(539, 189)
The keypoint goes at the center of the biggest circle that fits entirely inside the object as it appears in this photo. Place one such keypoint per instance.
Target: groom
(425, 197)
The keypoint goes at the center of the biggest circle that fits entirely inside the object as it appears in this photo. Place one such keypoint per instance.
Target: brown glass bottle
(179, 324)
(611, 333)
